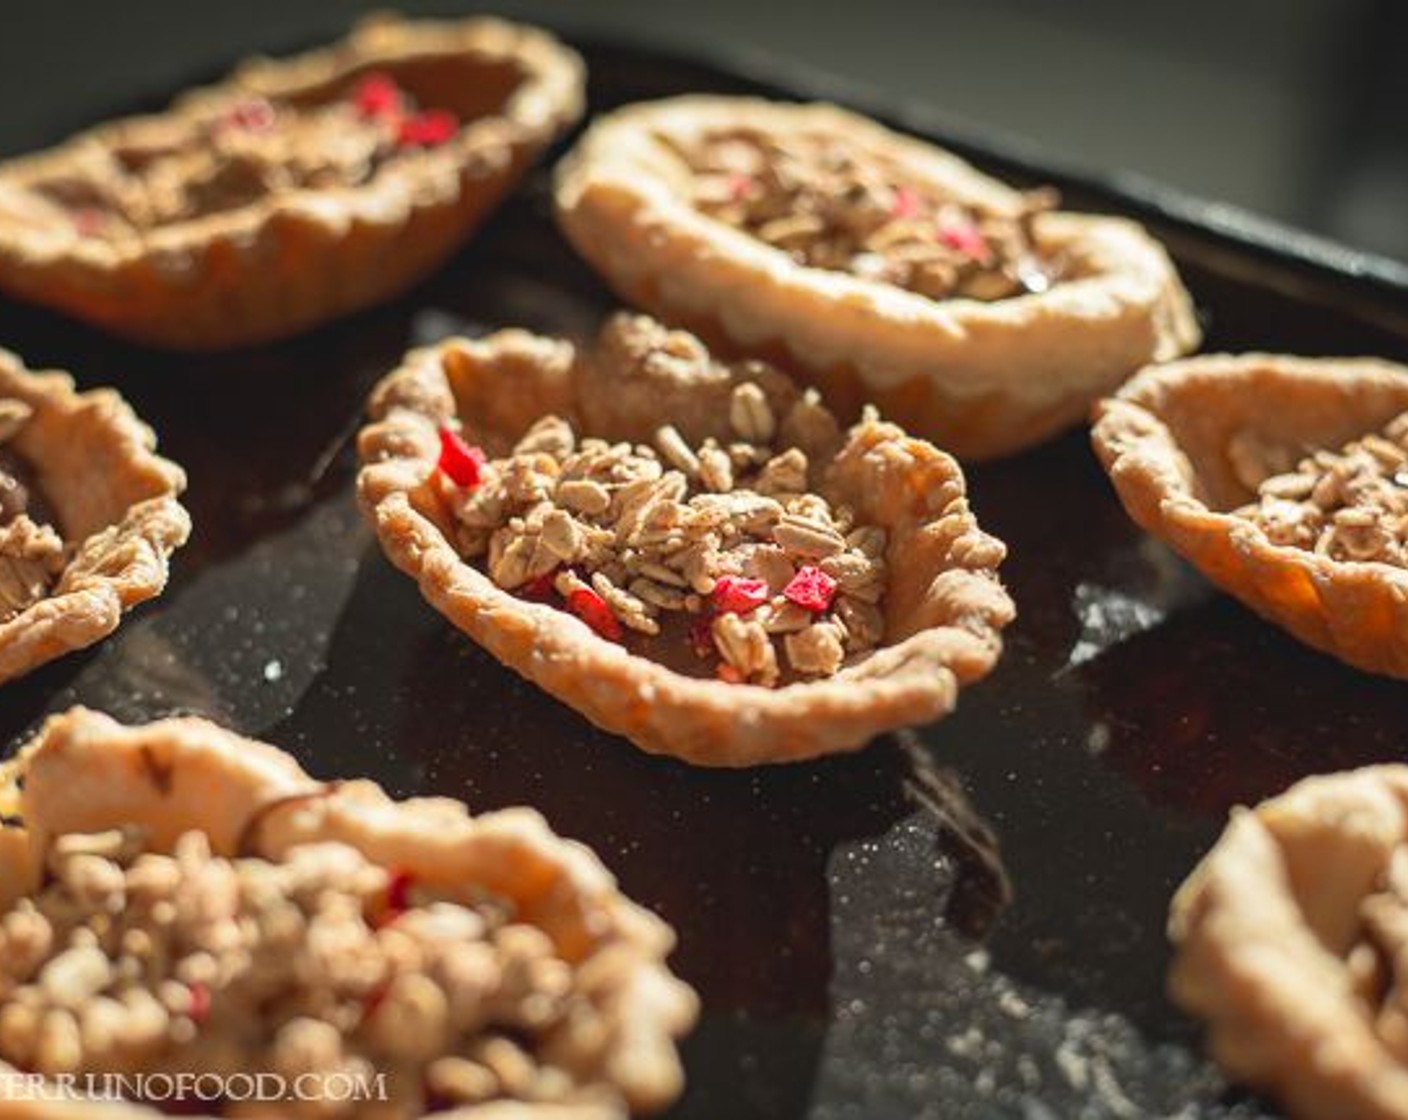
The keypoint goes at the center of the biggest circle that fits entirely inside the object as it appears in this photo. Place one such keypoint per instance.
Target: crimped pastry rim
(717, 723)
(106, 774)
(142, 522)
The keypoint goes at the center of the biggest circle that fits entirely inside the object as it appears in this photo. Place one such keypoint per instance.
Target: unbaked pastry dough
(1290, 942)
(943, 604)
(1189, 444)
(288, 194)
(116, 510)
(981, 378)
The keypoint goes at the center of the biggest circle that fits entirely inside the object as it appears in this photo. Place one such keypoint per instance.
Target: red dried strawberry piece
(429, 129)
(738, 595)
(90, 221)
(701, 635)
(726, 672)
(906, 203)
(199, 1010)
(462, 463)
(373, 1000)
(811, 589)
(378, 95)
(398, 889)
(591, 608)
(965, 238)
(399, 882)
(254, 114)
(543, 587)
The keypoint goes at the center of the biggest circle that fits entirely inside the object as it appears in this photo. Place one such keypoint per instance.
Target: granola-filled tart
(1292, 946)
(180, 900)
(293, 192)
(88, 515)
(1285, 480)
(690, 552)
(879, 267)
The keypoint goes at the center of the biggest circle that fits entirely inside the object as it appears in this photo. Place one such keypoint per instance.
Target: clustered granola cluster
(725, 537)
(832, 208)
(321, 963)
(32, 554)
(1350, 504)
(249, 151)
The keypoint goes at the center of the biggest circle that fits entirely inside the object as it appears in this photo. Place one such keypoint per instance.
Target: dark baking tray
(848, 923)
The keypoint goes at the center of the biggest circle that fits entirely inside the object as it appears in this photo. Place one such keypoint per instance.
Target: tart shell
(1262, 929)
(302, 257)
(86, 773)
(116, 503)
(944, 606)
(1167, 441)
(981, 379)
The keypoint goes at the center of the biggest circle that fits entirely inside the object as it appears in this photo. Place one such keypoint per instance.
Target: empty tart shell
(85, 774)
(1189, 443)
(982, 378)
(115, 506)
(291, 256)
(1289, 941)
(943, 606)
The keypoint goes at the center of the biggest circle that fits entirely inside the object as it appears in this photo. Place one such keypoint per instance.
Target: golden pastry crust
(297, 257)
(1288, 946)
(116, 505)
(982, 378)
(944, 605)
(1180, 442)
(85, 773)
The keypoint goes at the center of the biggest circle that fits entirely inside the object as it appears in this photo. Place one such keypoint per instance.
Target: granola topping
(721, 547)
(32, 555)
(833, 208)
(129, 960)
(1350, 504)
(250, 149)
